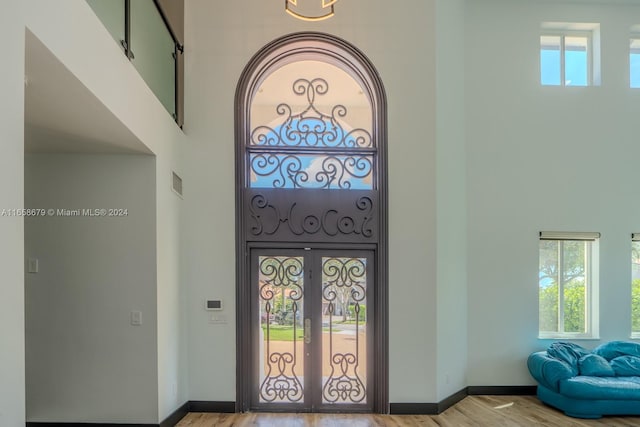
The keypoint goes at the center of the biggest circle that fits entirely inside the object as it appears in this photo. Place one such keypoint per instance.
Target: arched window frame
(292, 48)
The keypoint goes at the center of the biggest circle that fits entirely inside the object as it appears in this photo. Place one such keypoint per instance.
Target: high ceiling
(62, 115)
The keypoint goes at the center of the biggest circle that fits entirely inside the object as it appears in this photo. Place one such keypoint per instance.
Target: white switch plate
(136, 318)
(218, 319)
(32, 265)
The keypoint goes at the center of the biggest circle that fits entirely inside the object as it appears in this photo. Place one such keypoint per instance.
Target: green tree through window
(635, 284)
(564, 276)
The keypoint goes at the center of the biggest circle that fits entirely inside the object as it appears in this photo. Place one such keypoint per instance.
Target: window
(569, 54)
(635, 285)
(311, 129)
(568, 285)
(634, 62)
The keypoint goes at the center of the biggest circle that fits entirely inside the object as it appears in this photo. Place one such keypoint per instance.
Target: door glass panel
(281, 357)
(344, 334)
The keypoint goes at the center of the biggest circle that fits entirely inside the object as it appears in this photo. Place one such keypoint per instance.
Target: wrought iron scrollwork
(268, 217)
(344, 282)
(277, 385)
(311, 127)
(281, 277)
(311, 149)
(320, 171)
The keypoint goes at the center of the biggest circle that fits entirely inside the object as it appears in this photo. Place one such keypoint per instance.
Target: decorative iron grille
(310, 148)
(344, 287)
(281, 294)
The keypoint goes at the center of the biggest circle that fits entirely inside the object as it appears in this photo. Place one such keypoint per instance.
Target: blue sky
(635, 69)
(575, 67)
(312, 163)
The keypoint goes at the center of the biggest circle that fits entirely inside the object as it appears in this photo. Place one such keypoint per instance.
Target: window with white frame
(635, 285)
(634, 62)
(568, 285)
(569, 54)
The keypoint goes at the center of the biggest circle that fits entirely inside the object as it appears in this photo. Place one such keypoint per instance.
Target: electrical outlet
(136, 318)
(32, 265)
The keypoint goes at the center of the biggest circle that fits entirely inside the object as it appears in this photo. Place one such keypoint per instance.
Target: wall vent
(177, 184)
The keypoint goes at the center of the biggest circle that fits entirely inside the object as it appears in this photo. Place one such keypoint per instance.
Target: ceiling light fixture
(292, 7)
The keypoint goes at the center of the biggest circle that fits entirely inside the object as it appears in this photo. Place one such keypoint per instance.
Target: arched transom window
(311, 128)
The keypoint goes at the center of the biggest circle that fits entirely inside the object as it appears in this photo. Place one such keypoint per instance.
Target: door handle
(307, 331)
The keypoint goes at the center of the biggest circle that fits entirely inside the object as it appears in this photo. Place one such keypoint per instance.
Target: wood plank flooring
(473, 411)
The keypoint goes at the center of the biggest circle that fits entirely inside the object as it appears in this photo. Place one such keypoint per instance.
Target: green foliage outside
(635, 305)
(282, 333)
(574, 308)
(362, 315)
(565, 261)
(283, 306)
(285, 333)
(548, 318)
(572, 272)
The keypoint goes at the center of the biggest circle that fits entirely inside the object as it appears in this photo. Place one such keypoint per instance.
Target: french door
(312, 330)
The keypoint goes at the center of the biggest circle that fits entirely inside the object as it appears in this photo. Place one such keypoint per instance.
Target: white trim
(591, 283)
(592, 316)
(572, 27)
(566, 336)
(569, 235)
(632, 38)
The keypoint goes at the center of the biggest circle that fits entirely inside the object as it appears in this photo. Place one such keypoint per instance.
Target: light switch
(136, 318)
(218, 319)
(32, 266)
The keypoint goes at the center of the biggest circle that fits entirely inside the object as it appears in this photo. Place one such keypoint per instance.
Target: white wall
(400, 41)
(408, 69)
(85, 362)
(70, 29)
(522, 141)
(543, 158)
(451, 200)
(12, 407)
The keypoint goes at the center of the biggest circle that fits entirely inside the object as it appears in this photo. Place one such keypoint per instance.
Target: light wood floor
(473, 411)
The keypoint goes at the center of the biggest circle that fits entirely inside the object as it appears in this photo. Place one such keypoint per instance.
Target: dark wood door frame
(361, 222)
(311, 303)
